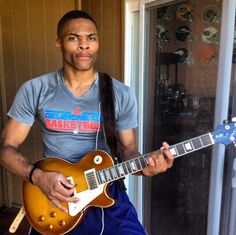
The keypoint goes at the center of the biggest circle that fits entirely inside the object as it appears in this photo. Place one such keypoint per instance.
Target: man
(67, 105)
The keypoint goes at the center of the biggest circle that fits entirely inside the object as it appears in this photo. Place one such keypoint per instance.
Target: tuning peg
(226, 122)
(234, 144)
(233, 119)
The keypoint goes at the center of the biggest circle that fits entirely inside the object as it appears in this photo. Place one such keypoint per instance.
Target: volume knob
(41, 218)
(62, 223)
(53, 214)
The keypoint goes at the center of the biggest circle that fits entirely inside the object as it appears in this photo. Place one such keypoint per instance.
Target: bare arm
(127, 140)
(53, 184)
(13, 136)
(158, 162)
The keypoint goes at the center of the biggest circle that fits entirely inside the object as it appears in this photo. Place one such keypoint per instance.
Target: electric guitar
(92, 176)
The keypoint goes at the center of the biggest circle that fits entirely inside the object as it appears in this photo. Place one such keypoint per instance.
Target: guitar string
(176, 155)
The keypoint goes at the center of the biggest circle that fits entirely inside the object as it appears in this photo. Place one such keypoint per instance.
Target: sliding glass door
(179, 61)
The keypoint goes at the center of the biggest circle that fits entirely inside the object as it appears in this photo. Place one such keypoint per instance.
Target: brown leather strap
(107, 100)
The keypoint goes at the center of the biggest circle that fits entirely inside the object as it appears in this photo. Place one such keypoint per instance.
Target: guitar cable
(96, 148)
(99, 125)
(102, 210)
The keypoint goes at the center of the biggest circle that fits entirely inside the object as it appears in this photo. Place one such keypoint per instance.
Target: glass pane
(181, 74)
(135, 52)
(228, 222)
(134, 83)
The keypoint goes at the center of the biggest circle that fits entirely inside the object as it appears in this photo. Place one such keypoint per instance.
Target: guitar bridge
(91, 179)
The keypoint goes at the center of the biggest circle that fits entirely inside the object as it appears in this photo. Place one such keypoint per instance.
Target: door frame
(221, 104)
(140, 185)
(221, 114)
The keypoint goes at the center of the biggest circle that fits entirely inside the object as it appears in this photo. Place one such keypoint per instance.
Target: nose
(83, 44)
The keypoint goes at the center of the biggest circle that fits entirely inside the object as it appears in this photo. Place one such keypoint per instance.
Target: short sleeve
(23, 108)
(127, 109)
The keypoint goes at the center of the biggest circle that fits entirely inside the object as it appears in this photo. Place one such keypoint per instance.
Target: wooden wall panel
(52, 16)
(2, 183)
(28, 41)
(37, 37)
(8, 49)
(108, 16)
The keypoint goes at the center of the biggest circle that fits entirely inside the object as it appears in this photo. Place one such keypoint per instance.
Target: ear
(58, 44)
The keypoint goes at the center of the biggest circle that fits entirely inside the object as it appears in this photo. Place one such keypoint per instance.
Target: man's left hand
(159, 161)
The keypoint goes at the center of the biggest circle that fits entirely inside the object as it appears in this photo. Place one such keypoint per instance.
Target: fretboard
(135, 165)
(191, 145)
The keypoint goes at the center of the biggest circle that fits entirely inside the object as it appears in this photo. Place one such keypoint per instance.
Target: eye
(73, 38)
(92, 38)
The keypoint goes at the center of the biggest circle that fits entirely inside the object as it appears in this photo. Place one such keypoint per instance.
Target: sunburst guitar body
(48, 219)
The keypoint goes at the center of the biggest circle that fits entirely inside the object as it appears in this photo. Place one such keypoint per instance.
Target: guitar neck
(192, 145)
(137, 164)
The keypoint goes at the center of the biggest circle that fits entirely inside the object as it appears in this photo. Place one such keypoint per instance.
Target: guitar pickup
(91, 179)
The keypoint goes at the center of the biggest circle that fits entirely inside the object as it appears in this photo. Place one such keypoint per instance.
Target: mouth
(83, 56)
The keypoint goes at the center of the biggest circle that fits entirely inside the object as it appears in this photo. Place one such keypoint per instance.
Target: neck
(71, 76)
(79, 82)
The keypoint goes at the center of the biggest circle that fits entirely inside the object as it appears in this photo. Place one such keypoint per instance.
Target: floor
(7, 215)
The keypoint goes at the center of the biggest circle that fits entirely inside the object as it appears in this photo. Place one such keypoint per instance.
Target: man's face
(79, 44)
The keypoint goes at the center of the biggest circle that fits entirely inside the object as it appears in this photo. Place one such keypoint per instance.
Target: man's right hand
(55, 186)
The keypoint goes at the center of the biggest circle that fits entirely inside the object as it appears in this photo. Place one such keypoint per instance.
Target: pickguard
(85, 197)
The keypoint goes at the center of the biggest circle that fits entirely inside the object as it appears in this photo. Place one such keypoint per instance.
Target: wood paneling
(108, 16)
(1, 112)
(28, 42)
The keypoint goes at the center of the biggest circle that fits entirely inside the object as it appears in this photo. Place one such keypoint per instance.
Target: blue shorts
(121, 218)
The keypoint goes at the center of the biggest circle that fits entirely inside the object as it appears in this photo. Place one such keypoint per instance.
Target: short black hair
(74, 14)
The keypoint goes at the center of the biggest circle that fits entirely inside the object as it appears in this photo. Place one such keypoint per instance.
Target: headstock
(225, 133)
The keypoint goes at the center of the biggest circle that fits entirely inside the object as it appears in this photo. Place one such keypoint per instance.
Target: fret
(173, 151)
(206, 140)
(137, 162)
(188, 146)
(107, 174)
(180, 148)
(143, 162)
(128, 167)
(110, 172)
(99, 178)
(197, 143)
(125, 168)
(102, 176)
(113, 172)
(121, 169)
(117, 171)
(133, 165)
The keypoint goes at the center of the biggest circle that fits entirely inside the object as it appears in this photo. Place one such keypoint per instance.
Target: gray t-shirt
(70, 125)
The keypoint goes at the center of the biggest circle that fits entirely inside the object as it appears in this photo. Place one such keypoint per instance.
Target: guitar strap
(107, 100)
